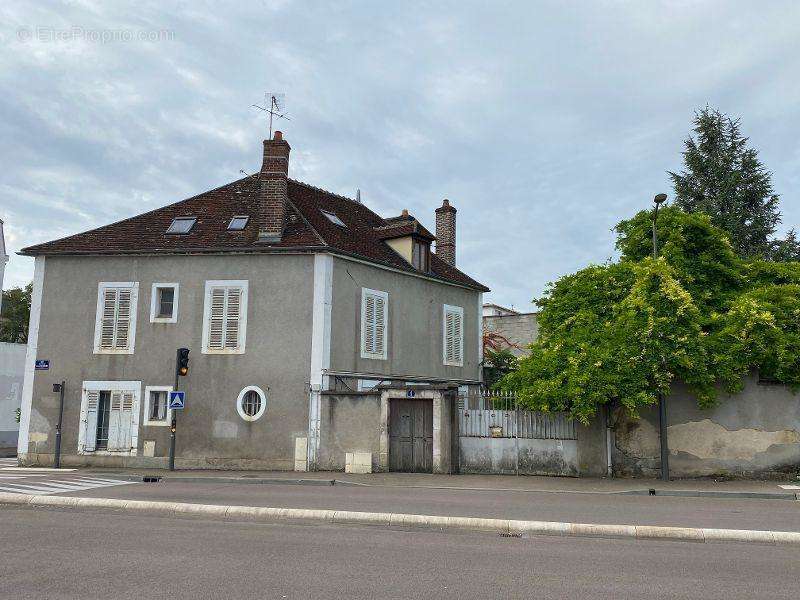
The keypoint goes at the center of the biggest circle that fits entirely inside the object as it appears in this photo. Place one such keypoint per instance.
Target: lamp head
(660, 198)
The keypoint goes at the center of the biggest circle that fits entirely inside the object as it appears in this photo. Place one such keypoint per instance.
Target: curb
(440, 523)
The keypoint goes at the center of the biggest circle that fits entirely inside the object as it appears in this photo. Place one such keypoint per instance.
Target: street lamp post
(662, 405)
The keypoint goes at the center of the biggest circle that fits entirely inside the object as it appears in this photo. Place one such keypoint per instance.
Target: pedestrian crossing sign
(177, 400)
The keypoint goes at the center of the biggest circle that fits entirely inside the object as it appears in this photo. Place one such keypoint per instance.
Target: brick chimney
(273, 198)
(446, 233)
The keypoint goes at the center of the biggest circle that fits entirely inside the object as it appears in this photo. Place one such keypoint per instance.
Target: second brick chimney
(273, 193)
(446, 233)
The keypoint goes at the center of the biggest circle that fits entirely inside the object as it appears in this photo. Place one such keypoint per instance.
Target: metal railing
(498, 415)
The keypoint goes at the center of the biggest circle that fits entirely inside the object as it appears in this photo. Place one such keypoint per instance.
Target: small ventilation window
(182, 224)
(238, 223)
(333, 218)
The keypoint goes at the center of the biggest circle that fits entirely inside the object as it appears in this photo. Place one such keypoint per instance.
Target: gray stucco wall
(415, 324)
(12, 371)
(210, 431)
(756, 432)
(536, 457)
(520, 330)
(349, 423)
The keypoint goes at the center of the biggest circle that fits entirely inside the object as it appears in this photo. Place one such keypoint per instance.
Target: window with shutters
(164, 303)
(453, 335)
(374, 324)
(115, 325)
(109, 417)
(225, 317)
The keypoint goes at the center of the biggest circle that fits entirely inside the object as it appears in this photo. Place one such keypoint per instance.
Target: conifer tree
(724, 179)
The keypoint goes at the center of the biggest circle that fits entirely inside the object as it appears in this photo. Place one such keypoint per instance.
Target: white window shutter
(374, 318)
(125, 421)
(123, 320)
(114, 421)
(108, 319)
(380, 326)
(225, 317)
(232, 317)
(216, 325)
(90, 435)
(369, 324)
(116, 318)
(453, 335)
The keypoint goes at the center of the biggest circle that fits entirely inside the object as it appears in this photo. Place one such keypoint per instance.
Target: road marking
(790, 487)
(35, 470)
(57, 486)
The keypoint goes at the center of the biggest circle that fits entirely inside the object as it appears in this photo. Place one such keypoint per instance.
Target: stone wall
(754, 433)
(520, 330)
(12, 371)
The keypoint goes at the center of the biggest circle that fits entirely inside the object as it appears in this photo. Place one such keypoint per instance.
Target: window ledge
(106, 351)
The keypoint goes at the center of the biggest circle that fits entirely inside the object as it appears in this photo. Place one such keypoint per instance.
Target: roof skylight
(182, 224)
(238, 223)
(333, 218)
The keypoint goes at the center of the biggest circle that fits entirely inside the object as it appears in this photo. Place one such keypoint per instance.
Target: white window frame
(240, 401)
(154, 318)
(365, 292)
(448, 308)
(146, 413)
(231, 283)
(110, 386)
(101, 286)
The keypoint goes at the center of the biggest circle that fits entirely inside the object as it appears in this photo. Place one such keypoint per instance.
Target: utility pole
(59, 387)
(662, 404)
(181, 370)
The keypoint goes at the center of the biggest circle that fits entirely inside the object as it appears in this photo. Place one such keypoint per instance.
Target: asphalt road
(780, 515)
(71, 554)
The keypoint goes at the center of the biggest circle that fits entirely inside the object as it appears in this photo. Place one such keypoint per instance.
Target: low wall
(756, 432)
(536, 457)
(12, 371)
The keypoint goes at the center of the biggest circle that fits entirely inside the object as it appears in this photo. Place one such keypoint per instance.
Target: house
(512, 330)
(321, 335)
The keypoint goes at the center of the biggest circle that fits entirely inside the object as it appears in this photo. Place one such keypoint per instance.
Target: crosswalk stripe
(102, 480)
(57, 486)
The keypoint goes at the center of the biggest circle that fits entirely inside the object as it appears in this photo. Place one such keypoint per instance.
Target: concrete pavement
(665, 511)
(100, 555)
(594, 485)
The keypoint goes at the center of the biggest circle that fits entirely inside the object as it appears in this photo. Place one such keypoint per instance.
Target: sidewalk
(585, 485)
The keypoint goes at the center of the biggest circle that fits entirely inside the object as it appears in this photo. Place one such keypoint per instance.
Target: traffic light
(183, 362)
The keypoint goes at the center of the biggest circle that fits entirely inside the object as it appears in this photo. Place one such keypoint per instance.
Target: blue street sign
(177, 400)
(42, 365)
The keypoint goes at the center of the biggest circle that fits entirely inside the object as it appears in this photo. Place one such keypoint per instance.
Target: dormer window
(333, 218)
(421, 255)
(238, 223)
(182, 225)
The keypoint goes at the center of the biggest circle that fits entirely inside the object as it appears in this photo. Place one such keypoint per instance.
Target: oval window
(252, 403)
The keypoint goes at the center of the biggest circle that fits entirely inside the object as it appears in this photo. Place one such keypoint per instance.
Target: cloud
(544, 123)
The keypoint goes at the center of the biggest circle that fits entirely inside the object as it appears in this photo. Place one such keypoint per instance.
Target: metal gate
(411, 435)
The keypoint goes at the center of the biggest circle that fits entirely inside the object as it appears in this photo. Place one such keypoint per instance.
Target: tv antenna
(274, 105)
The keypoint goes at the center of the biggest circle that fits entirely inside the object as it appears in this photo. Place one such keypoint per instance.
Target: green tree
(724, 179)
(16, 310)
(787, 249)
(621, 332)
(496, 364)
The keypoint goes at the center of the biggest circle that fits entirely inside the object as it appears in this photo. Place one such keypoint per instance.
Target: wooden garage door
(411, 436)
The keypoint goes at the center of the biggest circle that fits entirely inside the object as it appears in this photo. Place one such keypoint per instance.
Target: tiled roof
(306, 229)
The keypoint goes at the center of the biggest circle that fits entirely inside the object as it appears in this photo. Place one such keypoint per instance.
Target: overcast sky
(544, 123)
